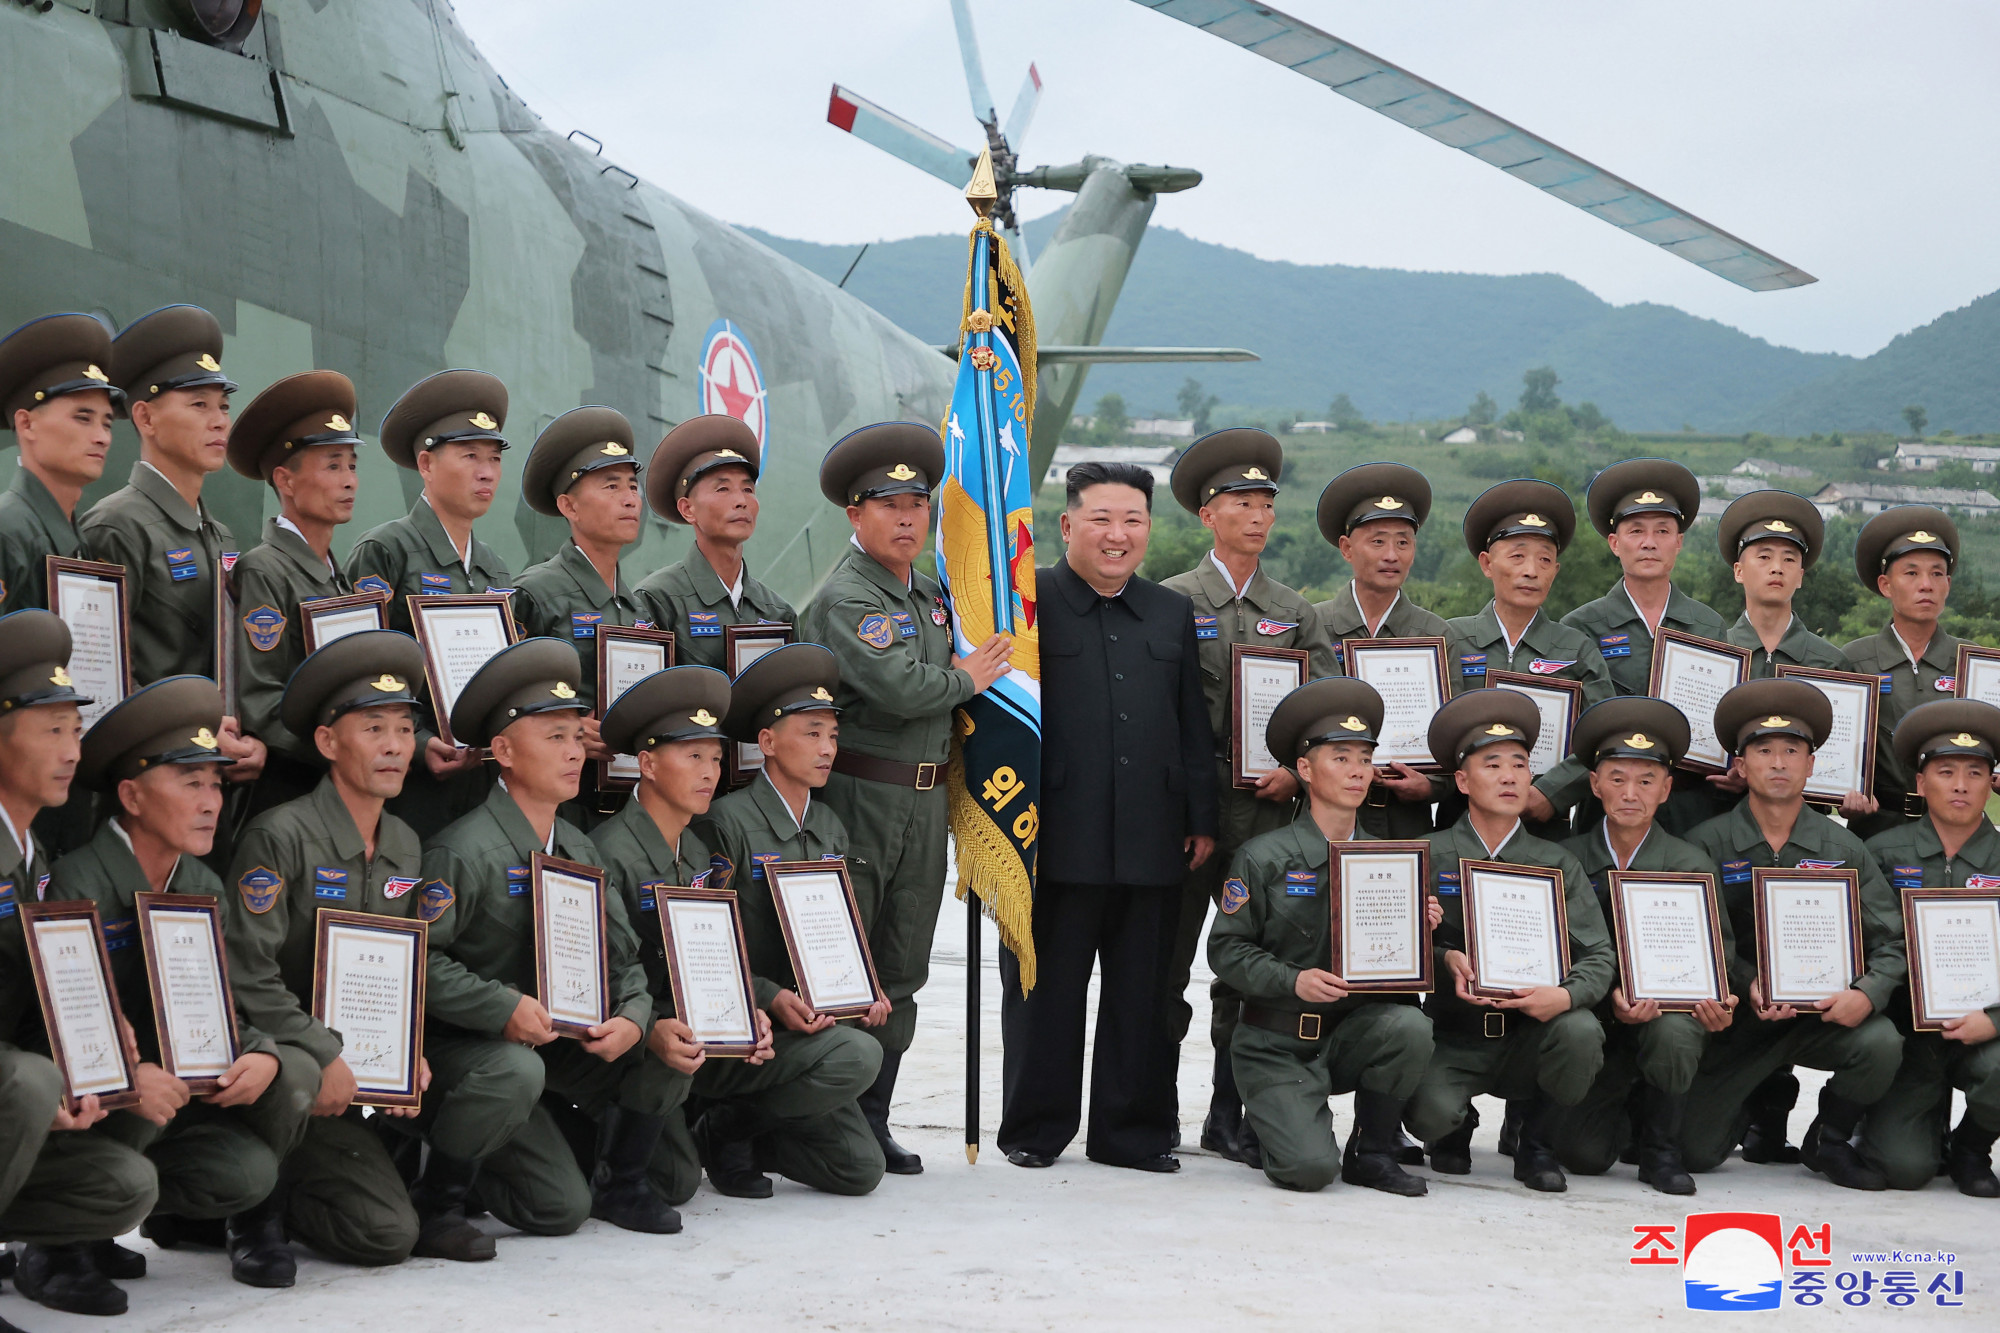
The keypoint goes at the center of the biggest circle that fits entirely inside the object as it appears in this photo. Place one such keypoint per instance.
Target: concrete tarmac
(992, 1246)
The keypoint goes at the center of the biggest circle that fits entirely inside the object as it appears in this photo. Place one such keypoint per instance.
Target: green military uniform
(1863, 1059)
(1780, 516)
(413, 556)
(1385, 816)
(1905, 684)
(747, 830)
(44, 360)
(33, 527)
(1904, 1134)
(1799, 647)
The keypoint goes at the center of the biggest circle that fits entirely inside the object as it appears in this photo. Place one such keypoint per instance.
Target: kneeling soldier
(1304, 1036)
(1631, 746)
(159, 757)
(791, 1107)
(1773, 727)
(490, 1040)
(1950, 746)
(1542, 1044)
(333, 847)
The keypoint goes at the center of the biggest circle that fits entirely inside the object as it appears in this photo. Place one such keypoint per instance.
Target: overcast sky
(1853, 138)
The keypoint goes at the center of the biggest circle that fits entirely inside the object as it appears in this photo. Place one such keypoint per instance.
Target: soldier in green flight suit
(1304, 1036)
(59, 402)
(1770, 539)
(298, 438)
(158, 757)
(888, 626)
(1542, 1045)
(1371, 513)
(446, 429)
(66, 1187)
(790, 1107)
(1643, 508)
(1518, 530)
(494, 1044)
(704, 476)
(1907, 555)
(1229, 480)
(1950, 745)
(583, 471)
(1631, 746)
(334, 847)
(1773, 727)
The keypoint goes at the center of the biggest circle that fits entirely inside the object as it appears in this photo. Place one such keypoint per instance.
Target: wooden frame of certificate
(1808, 933)
(1847, 761)
(79, 1004)
(91, 598)
(187, 970)
(359, 958)
(626, 656)
(1692, 674)
(1559, 700)
(1409, 675)
(821, 922)
(480, 624)
(326, 619)
(225, 640)
(1381, 925)
(1669, 932)
(1953, 937)
(1258, 679)
(572, 945)
(741, 646)
(1978, 674)
(1525, 902)
(708, 967)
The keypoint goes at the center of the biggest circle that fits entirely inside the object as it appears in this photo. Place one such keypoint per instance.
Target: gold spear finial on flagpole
(981, 192)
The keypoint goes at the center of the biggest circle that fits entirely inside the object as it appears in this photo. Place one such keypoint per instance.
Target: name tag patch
(8, 907)
(376, 583)
(1276, 627)
(1235, 893)
(1301, 884)
(1735, 872)
(906, 624)
(646, 902)
(434, 582)
(397, 885)
(517, 881)
(1615, 645)
(1888, 683)
(1908, 877)
(1472, 664)
(330, 882)
(758, 860)
(705, 624)
(583, 624)
(181, 566)
(1447, 884)
(1205, 627)
(120, 934)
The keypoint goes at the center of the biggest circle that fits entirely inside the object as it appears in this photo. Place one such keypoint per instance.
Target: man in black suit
(1128, 807)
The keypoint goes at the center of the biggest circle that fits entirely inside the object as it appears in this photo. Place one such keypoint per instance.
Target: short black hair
(1083, 475)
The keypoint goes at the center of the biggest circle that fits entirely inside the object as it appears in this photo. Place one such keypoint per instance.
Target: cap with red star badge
(683, 703)
(175, 347)
(1241, 458)
(299, 412)
(450, 407)
(888, 458)
(34, 661)
(53, 357)
(692, 450)
(172, 721)
(580, 441)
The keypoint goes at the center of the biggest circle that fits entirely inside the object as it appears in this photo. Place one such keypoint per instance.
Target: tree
(1587, 418)
(1538, 393)
(1111, 417)
(1918, 419)
(1344, 414)
(1482, 411)
(1195, 405)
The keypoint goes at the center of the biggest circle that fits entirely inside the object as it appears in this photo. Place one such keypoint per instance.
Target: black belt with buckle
(1286, 1022)
(1472, 1021)
(922, 777)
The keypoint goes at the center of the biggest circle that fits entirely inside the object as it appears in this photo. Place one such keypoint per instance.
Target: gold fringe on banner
(989, 867)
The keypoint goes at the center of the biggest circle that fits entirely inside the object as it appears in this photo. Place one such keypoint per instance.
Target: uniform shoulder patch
(396, 886)
(877, 631)
(1945, 684)
(260, 886)
(1982, 881)
(1235, 893)
(376, 583)
(721, 870)
(1818, 863)
(435, 900)
(1543, 666)
(265, 628)
(1273, 628)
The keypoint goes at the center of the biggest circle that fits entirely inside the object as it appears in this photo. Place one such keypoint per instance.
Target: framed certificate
(1258, 679)
(1516, 926)
(1409, 675)
(1669, 932)
(188, 973)
(708, 966)
(328, 618)
(1954, 942)
(1808, 933)
(1847, 761)
(1978, 673)
(742, 645)
(1381, 932)
(79, 1003)
(572, 959)
(626, 656)
(1692, 674)
(824, 936)
(89, 597)
(1559, 701)
(225, 641)
(368, 985)
(459, 633)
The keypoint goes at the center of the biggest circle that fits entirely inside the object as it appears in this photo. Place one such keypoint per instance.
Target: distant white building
(1470, 435)
(1169, 427)
(1764, 467)
(1865, 497)
(1926, 455)
(1733, 486)
(1157, 459)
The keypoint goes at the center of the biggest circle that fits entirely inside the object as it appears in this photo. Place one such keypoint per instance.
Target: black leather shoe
(170, 1231)
(620, 1191)
(1023, 1157)
(1371, 1156)
(724, 1142)
(443, 1232)
(258, 1254)
(1770, 1106)
(1408, 1151)
(1452, 1154)
(1829, 1150)
(1164, 1164)
(6, 1264)
(874, 1103)
(1968, 1158)
(1510, 1127)
(63, 1278)
(116, 1262)
(1535, 1163)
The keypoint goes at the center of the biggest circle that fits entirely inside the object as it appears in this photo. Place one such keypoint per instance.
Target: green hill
(1400, 344)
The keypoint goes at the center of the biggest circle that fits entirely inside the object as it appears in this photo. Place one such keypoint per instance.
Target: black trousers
(1129, 932)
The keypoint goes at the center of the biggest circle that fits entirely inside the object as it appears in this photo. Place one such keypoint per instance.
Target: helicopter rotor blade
(975, 72)
(1453, 121)
(1023, 113)
(897, 137)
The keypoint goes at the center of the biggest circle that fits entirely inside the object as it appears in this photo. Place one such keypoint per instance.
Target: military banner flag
(986, 561)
